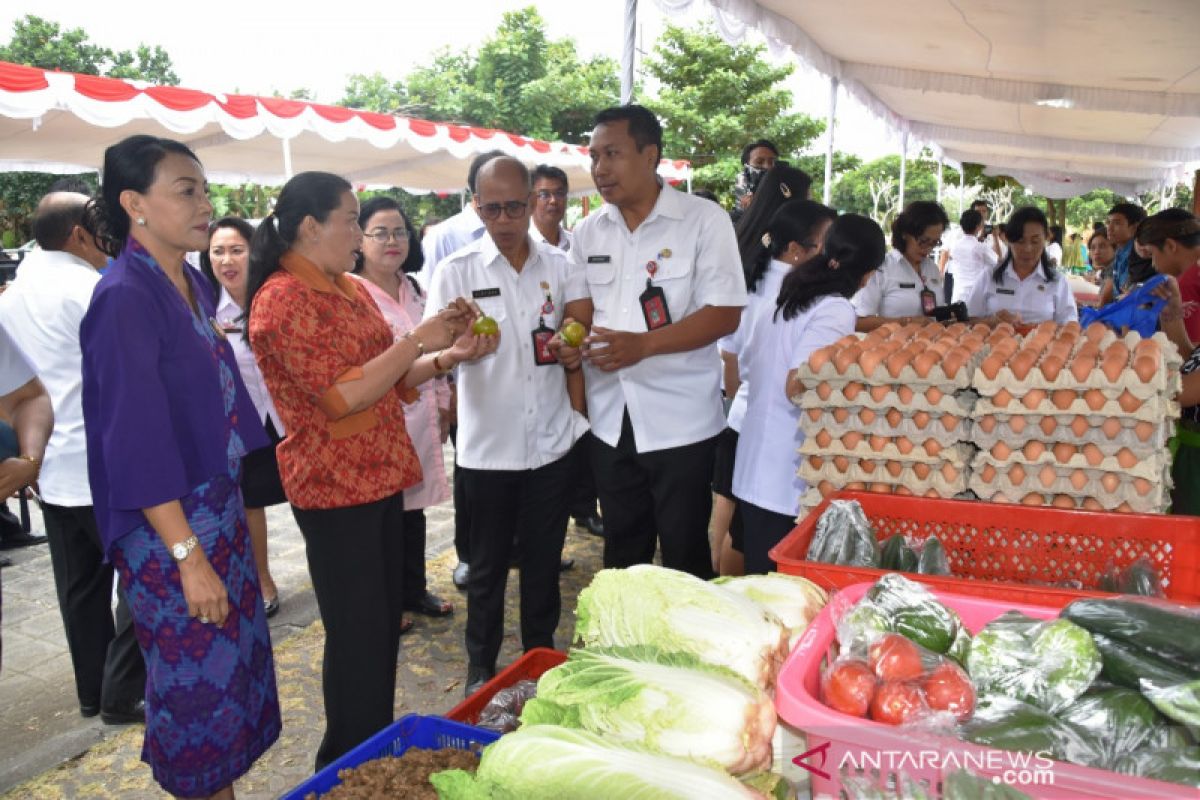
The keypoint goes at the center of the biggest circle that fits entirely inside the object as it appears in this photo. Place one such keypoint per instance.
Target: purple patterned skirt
(211, 704)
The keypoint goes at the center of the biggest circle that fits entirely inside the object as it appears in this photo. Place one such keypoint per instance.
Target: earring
(141, 221)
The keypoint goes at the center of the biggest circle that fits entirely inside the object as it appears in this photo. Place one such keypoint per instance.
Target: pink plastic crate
(883, 751)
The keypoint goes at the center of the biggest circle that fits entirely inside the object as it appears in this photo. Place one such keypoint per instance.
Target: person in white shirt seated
(909, 284)
(813, 310)
(1025, 288)
(971, 258)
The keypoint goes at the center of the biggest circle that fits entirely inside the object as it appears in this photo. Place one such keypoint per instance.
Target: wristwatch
(183, 549)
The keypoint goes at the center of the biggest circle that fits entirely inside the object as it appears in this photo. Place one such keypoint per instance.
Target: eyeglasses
(384, 236)
(546, 194)
(513, 209)
(923, 242)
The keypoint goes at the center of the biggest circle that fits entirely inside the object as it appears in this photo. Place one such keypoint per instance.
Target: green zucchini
(1125, 665)
(1141, 579)
(1158, 628)
(933, 559)
(889, 557)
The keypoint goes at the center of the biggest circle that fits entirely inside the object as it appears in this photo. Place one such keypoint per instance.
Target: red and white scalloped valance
(63, 121)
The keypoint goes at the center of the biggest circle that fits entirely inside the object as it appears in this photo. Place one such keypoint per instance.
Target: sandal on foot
(406, 625)
(432, 606)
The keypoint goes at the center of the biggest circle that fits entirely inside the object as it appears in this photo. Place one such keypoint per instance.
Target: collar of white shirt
(668, 204)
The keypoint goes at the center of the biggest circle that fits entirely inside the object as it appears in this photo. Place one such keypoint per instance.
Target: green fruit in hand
(485, 326)
(572, 334)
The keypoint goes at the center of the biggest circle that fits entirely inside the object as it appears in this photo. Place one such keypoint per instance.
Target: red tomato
(948, 688)
(896, 702)
(848, 686)
(895, 658)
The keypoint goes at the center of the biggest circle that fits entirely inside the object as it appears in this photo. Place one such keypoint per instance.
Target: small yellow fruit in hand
(485, 326)
(572, 334)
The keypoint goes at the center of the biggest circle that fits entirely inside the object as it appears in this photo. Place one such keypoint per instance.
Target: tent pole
(961, 197)
(627, 51)
(903, 165)
(941, 166)
(287, 158)
(830, 119)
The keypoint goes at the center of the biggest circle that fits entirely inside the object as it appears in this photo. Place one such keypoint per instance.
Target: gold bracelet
(37, 462)
(412, 338)
(437, 362)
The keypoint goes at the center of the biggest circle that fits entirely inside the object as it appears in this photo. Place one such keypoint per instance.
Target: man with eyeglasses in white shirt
(550, 190)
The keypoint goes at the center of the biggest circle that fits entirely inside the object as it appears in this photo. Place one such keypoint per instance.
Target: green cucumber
(1141, 579)
(933, 559)
(889, 557)
(1126, 665)
(1157, 628)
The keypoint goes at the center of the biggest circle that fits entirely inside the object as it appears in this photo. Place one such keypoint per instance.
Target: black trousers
(582, 503)
(504, 503)
(762, 530)
(462, 517)
(356, 560)
(109, 670)
(663, 496)
(414, 556)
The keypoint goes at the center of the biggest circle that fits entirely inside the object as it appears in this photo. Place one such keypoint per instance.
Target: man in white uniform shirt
(970, 257)
(42, 311)
(516, 419)
(664, 274)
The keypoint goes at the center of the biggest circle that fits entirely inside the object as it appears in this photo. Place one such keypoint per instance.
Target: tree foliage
(873, 188)
(39, 42)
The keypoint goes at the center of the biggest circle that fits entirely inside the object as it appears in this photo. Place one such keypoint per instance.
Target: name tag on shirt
(599, 259)
(908, 286)
(1006, 291)
(478, 293)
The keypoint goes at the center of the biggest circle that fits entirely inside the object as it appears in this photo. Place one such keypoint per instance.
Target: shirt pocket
(600, 277)
(493, 307)
(674, 276)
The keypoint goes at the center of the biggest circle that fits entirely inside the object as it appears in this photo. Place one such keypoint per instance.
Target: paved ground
(48, 751)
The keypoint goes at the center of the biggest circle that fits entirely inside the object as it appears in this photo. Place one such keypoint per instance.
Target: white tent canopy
(61, 122)
(1069, 95)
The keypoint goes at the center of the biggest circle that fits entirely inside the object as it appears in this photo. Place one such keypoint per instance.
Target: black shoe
(20, 539)
(125, 715)
(431, 606)
(461, 575)
(592, 524)
(5, 561)
(89, 710)
(566, 564)
(477, 676)
(271, 606)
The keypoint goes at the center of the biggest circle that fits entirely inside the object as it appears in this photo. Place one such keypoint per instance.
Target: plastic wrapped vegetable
(677, 612)
(1174, 765)
(957, 785)
(546, 762)
(1049, 663)
(669, 703)
(795, 600)
(1180, 702)
(844, 536)
(897, 555)
(1163, 629)
(1138, 578)
(896, 604)
(503, 712)
(933, 559)
(1118, 721)
(1012, 725)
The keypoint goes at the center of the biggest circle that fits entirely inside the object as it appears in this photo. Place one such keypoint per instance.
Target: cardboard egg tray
(958, 454)
(907, 375)
(886, 397)
(1153, 500)
(852, 422)
(1150, 468)
(1064, 433)
(945, 478)
(1155, 409)
(812, 496)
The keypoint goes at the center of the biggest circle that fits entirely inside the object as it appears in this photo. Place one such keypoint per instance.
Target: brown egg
(1048, 425)
(1095, 332)
(868, 466)
(851, 440)
(879, 393)
(905, 394)
(1095, 399)
(856, 486)
(1145, 367)
(1082, 366)
(987, 423)
(814, 414)
(1063, 501)
(816, 462)
(1126, 458)
(877, 443)
(1001, 399)
(1016, 474)
(1092, 504)
(1071, 328)
(894, 468)
(843, 358)
(897, 361)
(1021, 363)
(1059, 348)
(840, 415)
(924, 362)
(949, 471)
(1114, 360)
(954, 361)
(1142, 486)
(847, 340)
(1001, 451)
(1063, 398)
(1051, 365)
(869, 360)
(867, 416)
(921, 470)
(1079, 479)
(988, 473)
(904, 445)
(980, 329)
(1080, 426)
(921, 419)
(826, 488)
(823, 439)
(1148, 347)
(933, 447)
(1017, 423)
(841, 463)
(851, 390)
(991, 366)
(820, 357)
(1006, 328)
(1033, 399)
(1129, 403)
(1092, 454)
(931, 493)
(1110, 482)
(934, 395)
(1144, 430)
(824, 390)
(1111, 427)
(1063, 451)
(1033, 450)
(1047, 476)
(949, 422)
(999, 497)
(1033, 499)
(902, 490)
(894, 417)
(1124, 508)
(881, 488)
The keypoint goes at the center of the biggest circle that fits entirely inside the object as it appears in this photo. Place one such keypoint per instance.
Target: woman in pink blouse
(390, 253)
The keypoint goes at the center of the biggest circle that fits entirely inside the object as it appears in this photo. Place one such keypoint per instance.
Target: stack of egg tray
(1088, 429)
(889, 412)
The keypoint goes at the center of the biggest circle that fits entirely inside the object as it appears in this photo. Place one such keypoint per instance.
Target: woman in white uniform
(1025, 287)
(909, 285)
(812, 311)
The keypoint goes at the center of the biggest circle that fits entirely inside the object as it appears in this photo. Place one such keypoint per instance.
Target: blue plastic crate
(413, 730)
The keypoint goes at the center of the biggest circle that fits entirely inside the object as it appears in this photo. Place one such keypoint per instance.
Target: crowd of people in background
(324, 357)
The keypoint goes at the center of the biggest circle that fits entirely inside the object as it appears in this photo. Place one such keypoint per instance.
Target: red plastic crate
(840, 745)
(528, 667)
(1002, 551)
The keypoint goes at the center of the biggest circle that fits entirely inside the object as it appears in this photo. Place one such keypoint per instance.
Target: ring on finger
(203, 619)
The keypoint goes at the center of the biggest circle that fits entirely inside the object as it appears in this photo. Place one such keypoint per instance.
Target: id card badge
(928, 302)
(543, 356)
(654, 308)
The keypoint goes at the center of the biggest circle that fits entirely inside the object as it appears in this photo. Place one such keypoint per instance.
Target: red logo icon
(822, 751)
